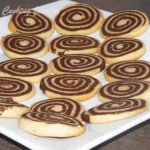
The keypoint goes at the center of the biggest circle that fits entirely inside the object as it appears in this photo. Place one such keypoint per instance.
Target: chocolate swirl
(59, 106)
(129, 70)
(31, 22)
(117, 47)
(13, 87)
(76, 43)
(80, 64)
(69, 84)
(52, 118)
(7, 103)
(114, 108)
(23, 44)
(123, 22)
(78, 17)
(24, 67)
(121, 90)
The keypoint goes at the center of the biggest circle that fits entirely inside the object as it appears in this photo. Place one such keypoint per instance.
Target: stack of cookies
(69, 78)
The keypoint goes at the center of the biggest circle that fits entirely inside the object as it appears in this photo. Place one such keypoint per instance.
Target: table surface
(137, 138)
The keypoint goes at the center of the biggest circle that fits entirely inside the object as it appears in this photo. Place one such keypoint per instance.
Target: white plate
(95, 134)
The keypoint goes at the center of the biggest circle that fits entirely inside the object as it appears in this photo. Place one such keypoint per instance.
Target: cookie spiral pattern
(114, 107)
(129, 70)
(76, 43)
(62, 106)
(24, 67)
(121, 90)
(52, 118)
(31, 22)
(117, 47)
(23, 44)
(78, 17)
(81, 64)
(123, 22)
(69, 84)
(13, 87)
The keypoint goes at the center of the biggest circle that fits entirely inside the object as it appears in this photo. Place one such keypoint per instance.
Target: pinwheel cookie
(128, 70)
(129, 24)
(74, 86)
(74, 44)
(62, 106)
(121, 49)
(121, 90)
(31, 23)
(51, 125)
(17, 89)
(28, 69)
(114, 110)
(11, 109)
(78, 19)
(19, 45)
(77, 64)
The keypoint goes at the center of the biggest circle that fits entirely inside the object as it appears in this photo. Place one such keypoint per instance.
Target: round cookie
(11, 109)
(64, 106)
(114, 110)
(77, 64)
(74, 86)
(74, 44)
(28, 69)
(121, 90)
(18, 89)
(121, 49)
(128, 70)
(19, 45)
(128, 24)
(51, 125)
(78, 19)
(31, 23)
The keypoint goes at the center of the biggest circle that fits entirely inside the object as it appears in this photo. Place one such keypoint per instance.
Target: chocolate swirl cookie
(77, 87)
(31, 23)
(78, 19)
(18, 89)
(50, 125)
(128, 70)
(74, 44)
(28, 69)
(121, 90)
(114, 110)
(129, 23)
(121, 49)
(59, 106)
(11, 109)
(19, 45)
(77, 64)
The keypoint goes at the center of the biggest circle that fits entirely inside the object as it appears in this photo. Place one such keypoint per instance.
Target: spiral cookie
(121, 90)
(28, 69)
(114, 110)
(74, 44)
(129, 23)
(78, 19)
(121, 49)
(18, 89)
(77, 64)
(128, 70)
(59, 106)
(18, 45)
(77, 87)
(31, 23)
(11, 109)
(50, 125)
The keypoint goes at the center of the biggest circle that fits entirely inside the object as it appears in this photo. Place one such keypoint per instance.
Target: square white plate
(95, 134)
